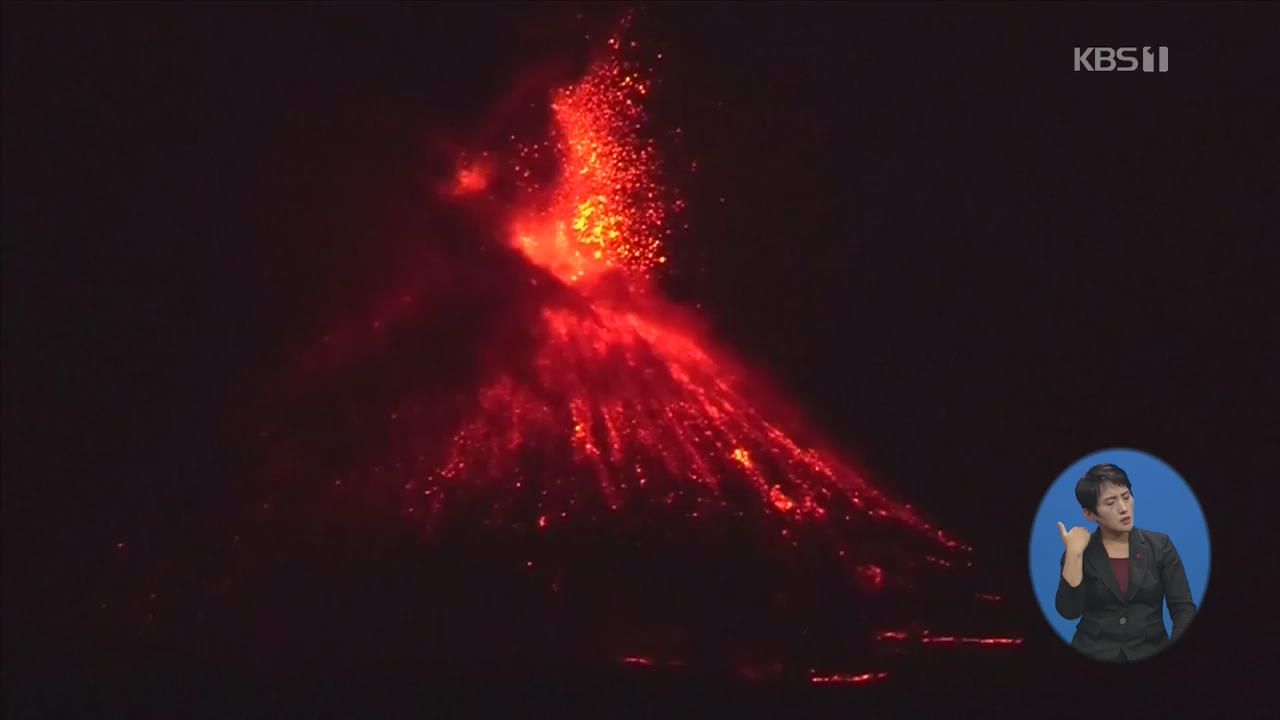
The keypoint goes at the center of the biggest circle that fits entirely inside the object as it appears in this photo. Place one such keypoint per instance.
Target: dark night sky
(967, 263)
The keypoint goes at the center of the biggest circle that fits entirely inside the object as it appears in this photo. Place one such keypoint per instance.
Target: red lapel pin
(1139, 556)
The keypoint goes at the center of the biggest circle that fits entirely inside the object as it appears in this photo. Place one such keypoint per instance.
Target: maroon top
(1120, 567)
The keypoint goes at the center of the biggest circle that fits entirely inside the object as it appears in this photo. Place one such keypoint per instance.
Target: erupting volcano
(621, 486)
(626, 405)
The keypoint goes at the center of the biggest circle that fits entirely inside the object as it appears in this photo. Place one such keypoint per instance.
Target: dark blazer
(1120, 627)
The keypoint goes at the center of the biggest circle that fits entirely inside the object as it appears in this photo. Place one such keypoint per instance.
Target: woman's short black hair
(1088, 487)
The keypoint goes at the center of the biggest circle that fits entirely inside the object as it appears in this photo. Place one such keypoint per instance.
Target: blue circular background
(1162, 502)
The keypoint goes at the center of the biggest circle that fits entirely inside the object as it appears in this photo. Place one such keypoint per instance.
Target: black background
(967, 263)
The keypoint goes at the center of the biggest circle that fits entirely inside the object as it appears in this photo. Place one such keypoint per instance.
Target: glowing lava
(646, 413)
(607, 211)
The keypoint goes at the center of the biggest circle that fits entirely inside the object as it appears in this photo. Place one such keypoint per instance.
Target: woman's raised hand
(1076, 540)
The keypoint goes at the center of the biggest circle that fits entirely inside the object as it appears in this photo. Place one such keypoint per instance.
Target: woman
(1119, 577)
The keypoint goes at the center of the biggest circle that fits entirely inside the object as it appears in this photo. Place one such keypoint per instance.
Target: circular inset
(1119, 555)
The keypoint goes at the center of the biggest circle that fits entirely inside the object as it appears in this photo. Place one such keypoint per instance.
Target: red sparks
(871, 577)
(924, 637)
(952, 640)
(863, 679)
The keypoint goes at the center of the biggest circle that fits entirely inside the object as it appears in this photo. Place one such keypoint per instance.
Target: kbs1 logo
(1125, 59)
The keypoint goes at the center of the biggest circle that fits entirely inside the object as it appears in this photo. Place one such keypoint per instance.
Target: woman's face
(1115, 508)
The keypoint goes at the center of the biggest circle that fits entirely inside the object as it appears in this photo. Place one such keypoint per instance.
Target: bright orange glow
(607, 211)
